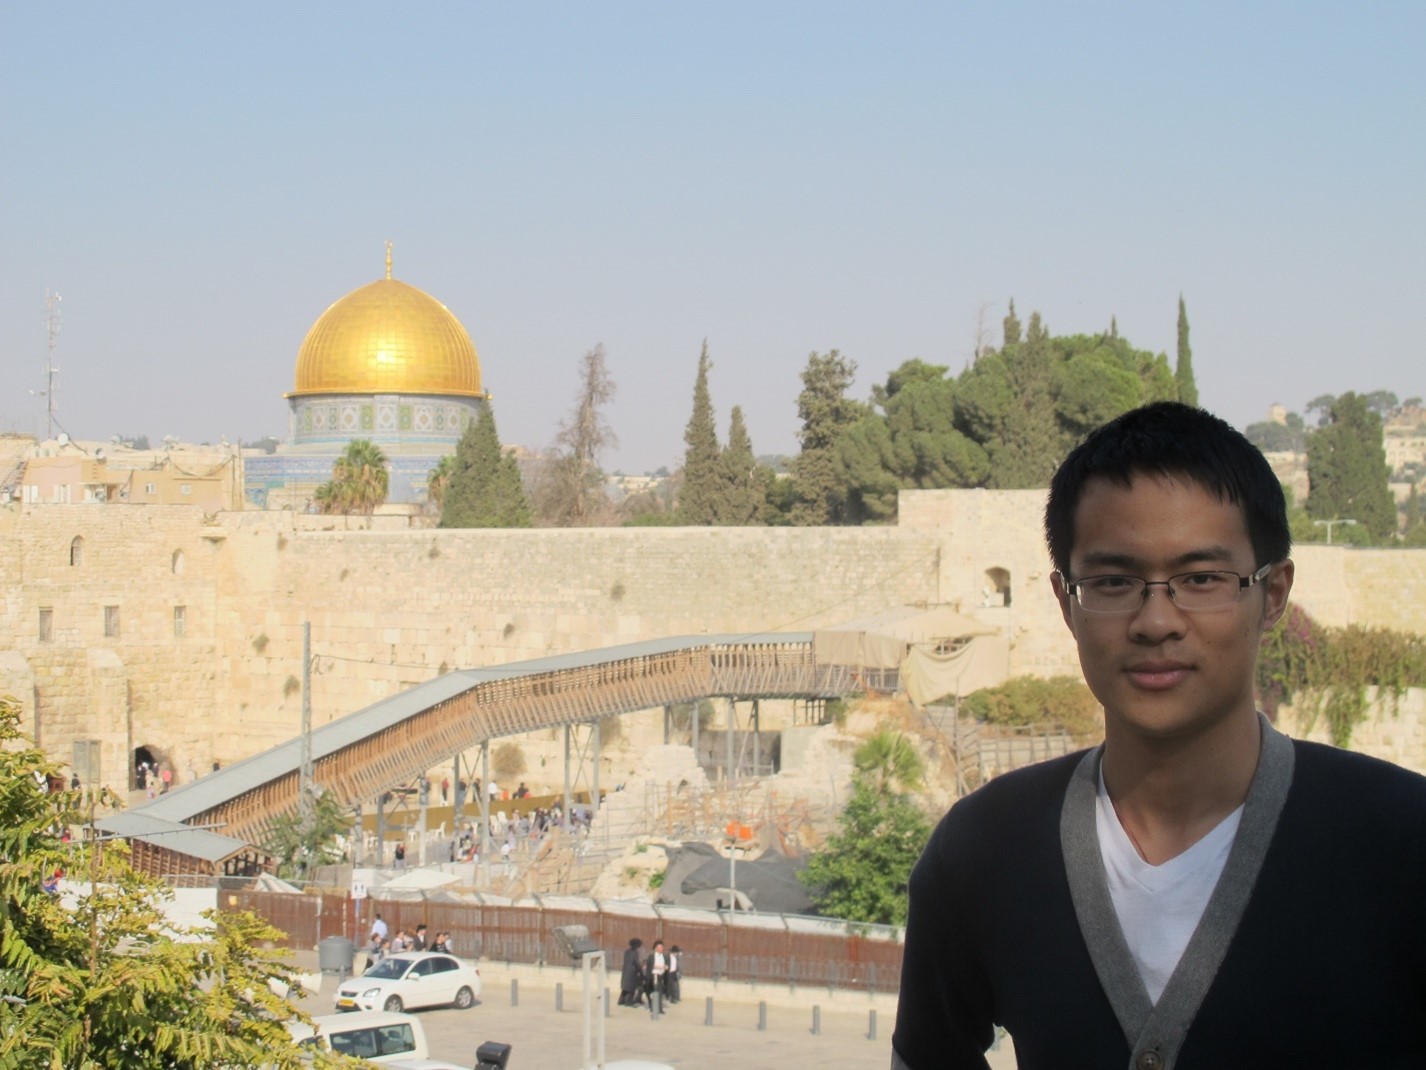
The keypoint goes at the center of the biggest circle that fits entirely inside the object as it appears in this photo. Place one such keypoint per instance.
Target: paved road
(546, 1039)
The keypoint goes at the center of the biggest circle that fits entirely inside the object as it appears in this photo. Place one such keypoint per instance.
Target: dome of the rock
(388, 338)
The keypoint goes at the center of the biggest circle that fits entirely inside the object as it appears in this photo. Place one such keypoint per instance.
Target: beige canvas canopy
(937, 650)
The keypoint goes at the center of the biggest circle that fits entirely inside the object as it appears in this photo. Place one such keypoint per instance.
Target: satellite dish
(63, 439)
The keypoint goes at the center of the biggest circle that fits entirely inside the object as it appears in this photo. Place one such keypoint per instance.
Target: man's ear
(1276, 590)
(1062, 595)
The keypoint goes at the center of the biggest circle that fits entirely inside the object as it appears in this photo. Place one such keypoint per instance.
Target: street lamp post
(1329, 524)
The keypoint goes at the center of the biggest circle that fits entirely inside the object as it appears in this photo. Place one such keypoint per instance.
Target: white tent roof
(880, 641)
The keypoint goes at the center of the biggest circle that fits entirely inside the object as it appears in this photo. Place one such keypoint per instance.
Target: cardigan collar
(1156, 1032)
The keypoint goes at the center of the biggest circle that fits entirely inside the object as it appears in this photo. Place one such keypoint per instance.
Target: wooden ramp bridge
(211, 826)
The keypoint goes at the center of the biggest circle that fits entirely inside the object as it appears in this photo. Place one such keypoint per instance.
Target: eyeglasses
(1190, 591)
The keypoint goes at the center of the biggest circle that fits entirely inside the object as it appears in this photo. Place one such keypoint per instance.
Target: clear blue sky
(199, 181)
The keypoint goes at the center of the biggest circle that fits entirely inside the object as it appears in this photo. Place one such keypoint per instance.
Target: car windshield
(389, 968)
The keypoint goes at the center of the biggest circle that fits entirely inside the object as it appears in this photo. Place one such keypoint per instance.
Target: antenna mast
(52, 326)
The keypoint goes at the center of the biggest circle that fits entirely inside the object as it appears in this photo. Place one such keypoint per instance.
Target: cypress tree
(827, 413)
(1012, 327)
(485, 490)
(1183, 370)
(702, 467)
(1346, 469)
(741, 500)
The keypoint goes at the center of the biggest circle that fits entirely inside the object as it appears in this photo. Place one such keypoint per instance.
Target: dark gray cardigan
(1311, 952)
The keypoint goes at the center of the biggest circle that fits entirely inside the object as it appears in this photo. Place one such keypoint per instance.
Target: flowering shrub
(1326, 671)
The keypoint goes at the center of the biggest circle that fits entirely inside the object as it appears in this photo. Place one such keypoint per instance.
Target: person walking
(655, 972)
(674, 974)
(631, 975)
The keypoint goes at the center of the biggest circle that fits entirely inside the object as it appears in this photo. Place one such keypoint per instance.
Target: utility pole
(304, 785)
(52, 326)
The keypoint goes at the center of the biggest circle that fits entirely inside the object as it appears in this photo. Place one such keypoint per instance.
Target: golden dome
(388, 338)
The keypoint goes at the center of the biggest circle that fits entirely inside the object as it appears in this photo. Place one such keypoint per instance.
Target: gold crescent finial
(388, 260)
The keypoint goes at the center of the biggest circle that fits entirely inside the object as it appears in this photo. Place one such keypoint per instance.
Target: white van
(376, 1036)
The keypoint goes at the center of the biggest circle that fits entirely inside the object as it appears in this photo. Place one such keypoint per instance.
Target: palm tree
(361, 478)
(889, 757)
(439, 480)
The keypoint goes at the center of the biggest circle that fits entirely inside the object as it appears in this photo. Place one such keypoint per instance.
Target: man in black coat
(631, 976)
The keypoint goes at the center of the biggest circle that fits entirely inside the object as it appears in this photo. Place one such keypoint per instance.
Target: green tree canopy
(485, 490)
(1272, 437)
(360, 480)
(438, 479)
(890, 761)
(1346, 469)
(826, 413)
(298, 847)
(863, 870)
(742, 493)
(104, 981)
(1183, 369)
(703, 471)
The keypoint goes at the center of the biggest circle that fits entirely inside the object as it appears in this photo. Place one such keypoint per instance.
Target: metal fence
(718, 945)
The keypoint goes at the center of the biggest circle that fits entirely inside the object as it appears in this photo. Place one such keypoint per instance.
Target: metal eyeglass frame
(1244, 582)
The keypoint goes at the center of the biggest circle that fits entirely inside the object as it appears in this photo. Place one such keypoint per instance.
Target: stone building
(389, 363)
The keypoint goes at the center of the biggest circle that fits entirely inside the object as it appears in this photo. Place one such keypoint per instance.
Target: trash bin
(335, 954)
(492, 1055)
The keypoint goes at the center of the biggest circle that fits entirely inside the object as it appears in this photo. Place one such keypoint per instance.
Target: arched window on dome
(76, 551)
(176, 563)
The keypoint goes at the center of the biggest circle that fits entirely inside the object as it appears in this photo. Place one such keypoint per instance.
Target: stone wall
(391, 605)
(1394, 731)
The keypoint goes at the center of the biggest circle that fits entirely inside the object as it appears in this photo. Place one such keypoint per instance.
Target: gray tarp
(769, 882)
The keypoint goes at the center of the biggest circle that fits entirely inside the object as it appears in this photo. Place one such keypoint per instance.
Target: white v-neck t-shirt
(1159, 906)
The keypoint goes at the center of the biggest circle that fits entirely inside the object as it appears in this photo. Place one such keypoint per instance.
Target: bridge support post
(594, 774)
(697, 709)
(381, 830)
(457, 813)
(729, 775)
(485, 812)
(756, 721)
(568, 795)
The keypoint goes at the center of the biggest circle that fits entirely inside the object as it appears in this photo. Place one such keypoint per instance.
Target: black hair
(636, 943)
(1172, 439)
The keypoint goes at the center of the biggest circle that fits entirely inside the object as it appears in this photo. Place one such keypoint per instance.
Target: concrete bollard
(559, 995)
(816, 1020)
(871, 1025)
(514, 991)
(656, 1004)
(708, 1010)
(762, 1016)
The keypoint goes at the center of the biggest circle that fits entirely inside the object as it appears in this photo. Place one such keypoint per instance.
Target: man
(378, 928)
(631, 976)
(654, 970)
(1200, 891)
(418, 942)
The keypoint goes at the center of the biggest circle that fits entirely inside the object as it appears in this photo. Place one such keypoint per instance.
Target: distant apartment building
(64, 473)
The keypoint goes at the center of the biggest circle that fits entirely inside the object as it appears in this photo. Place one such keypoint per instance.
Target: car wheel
(393, 1004)
(465, 999)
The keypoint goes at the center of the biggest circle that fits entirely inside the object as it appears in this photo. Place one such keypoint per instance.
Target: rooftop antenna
(52, 326)
(388, 260)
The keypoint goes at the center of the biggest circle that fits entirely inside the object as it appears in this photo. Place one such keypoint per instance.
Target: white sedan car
(411, 979)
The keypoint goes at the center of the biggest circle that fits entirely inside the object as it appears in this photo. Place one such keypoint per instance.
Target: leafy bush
(1326, 671)
(1036, 702)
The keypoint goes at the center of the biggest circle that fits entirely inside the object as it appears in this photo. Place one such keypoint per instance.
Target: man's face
(1160, 672)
